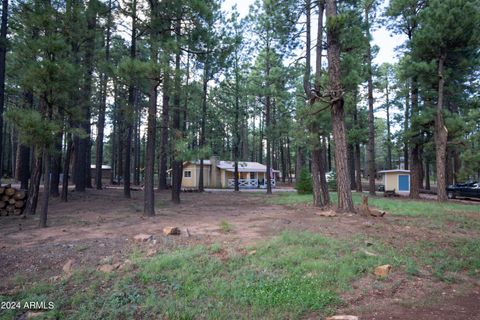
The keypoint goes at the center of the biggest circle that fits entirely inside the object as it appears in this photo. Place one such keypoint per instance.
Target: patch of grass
(216, 247)
(439, 214)
(289, 276)
(402, 206)
(225, 227)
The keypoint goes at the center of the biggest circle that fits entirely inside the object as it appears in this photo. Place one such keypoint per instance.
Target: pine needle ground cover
(284, 278)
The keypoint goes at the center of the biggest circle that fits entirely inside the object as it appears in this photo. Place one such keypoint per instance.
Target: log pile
(12, 201)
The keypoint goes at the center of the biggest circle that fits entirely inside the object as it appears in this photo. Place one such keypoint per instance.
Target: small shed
(106, 171)
(397, 180)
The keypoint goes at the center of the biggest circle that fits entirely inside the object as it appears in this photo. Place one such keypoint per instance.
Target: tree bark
(371, 116)
(405, 129)
(441, 135)
(3, 55)
(129, 114)
(267, 120)
(427, 174)
(357, 154)
(415, 163)
(82, 167)
(345, 202)
(162, 183)
(149, 202)
(177, 132)
(103, 107)
(203, 123)
(46, 187)
(136, 139)
(237, 123)
(23, 166)
(33, 190)
(66, 167)
(389, 134)
(320, 186)
(56, 166)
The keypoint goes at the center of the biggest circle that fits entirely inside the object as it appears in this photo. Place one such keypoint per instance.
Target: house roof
(205, 162)
(243, 166)
(104, 167)
(394, 171)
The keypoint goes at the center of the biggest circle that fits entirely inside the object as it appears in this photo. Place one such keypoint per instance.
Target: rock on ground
(142, 237)
(169, 231)
(383, 271)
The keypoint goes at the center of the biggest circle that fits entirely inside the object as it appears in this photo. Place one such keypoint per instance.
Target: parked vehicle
(467, 190)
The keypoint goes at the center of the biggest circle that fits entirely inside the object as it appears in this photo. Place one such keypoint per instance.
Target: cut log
(17, 212)
(11, 201)
(3, 212)
(5, 198)
(19, 204)
(10, 192)
(3, 204)
(20, 195)
(10, 208)
(2, 190)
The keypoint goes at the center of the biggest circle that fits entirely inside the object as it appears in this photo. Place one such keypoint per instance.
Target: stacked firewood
(12, 201)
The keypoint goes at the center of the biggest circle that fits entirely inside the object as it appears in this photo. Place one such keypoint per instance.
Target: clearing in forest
(244, 255)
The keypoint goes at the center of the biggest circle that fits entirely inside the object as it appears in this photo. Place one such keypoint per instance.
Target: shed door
(404, 182)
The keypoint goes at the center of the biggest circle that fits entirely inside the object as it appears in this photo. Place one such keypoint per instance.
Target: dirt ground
(98, 225)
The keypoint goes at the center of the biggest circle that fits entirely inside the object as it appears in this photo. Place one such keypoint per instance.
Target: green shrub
(304, 183)
(332, 180)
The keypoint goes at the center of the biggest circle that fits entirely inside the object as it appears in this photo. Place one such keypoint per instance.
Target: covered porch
(248, 180)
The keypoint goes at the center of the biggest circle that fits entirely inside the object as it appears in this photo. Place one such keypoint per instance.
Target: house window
(187, 174)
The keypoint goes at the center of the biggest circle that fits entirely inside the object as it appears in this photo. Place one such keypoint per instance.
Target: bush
(304, 183)
(332, 180)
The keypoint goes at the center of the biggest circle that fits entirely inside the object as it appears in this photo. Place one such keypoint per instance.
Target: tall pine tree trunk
(56, 166)
(203, 124)
(46, 189)
(236, 146)
(66, 167)
(129, 114)
(415, 163)
(267, 120)
(162, 176)
(406, 151)
(149, 199)
(103, 106)
(23, 166)
(389, 134)
(441, 135)
(345, 202)
(371, 116)
(176, 125)
(357, 154)
(33, 190)
(3, 55)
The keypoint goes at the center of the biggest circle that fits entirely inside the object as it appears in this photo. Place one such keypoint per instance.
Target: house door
(404, 182)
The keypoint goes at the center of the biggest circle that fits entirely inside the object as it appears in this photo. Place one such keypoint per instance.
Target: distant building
(220, 174)
(106, 171)
(397, 180)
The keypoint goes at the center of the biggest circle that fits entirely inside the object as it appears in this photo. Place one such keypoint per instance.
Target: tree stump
(365, 210)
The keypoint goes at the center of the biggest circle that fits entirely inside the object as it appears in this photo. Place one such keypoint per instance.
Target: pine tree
(345, 202)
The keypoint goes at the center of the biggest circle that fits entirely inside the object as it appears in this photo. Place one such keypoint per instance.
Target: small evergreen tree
(304, 183)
